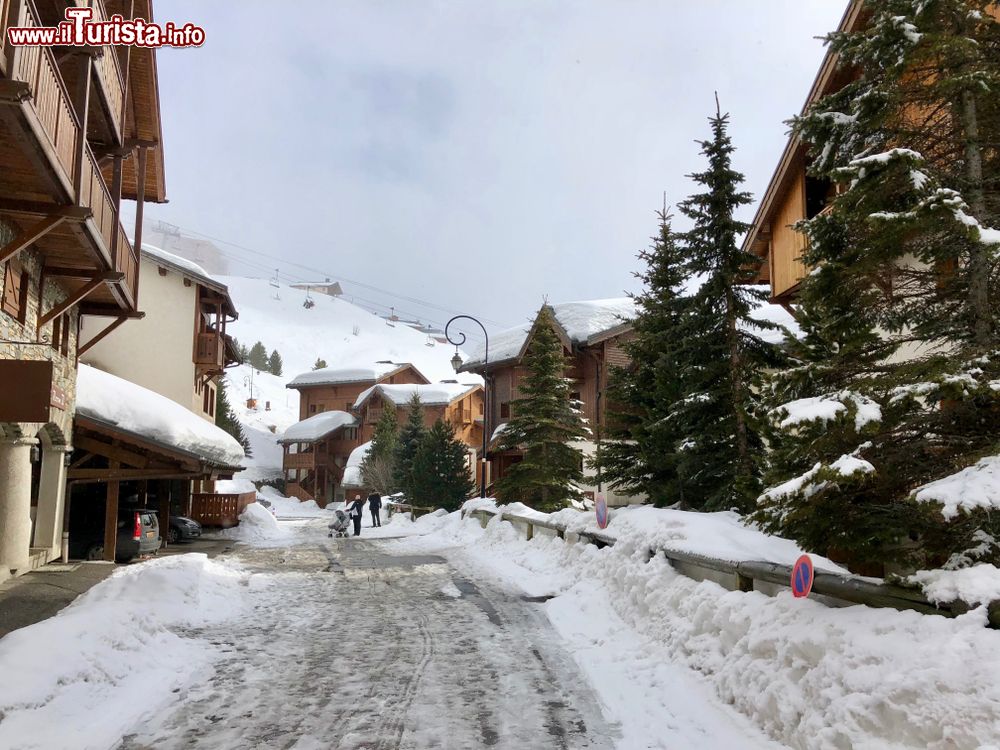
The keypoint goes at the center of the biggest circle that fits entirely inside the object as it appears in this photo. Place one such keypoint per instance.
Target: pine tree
(377, 469)
(441, 476)
(257, 357)
(892, 384)
(721, 451)
(226, 419)
(545, 421)
(640, 452)
(320, 364)
(274, 363)
(410, 437)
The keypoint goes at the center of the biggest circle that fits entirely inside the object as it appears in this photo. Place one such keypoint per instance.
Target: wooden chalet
(461, 405)
(793, 195)
(79, 132)
(591, 333)
(337, 388)
(315, 455)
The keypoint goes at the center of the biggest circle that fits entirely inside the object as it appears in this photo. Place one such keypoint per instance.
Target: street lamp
(456, 362)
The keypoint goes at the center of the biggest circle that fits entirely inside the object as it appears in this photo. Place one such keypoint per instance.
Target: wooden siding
(788, 245)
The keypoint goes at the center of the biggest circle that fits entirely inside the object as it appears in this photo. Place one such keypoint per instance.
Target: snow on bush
(976, 486)
(979, 584)
(809, 675)
(80, 679)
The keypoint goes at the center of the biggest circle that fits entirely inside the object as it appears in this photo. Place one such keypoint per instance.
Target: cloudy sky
(475, 155)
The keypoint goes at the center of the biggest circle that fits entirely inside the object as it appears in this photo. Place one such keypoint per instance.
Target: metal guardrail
(842, 588)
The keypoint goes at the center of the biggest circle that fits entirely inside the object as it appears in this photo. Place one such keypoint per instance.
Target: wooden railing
(213, 509)
(299, 461)
(127, 262)
(95, 194)
(744, 576)
(209, 349)
(36, 67)
(110, 80)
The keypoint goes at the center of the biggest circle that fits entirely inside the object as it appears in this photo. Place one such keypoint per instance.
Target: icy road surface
(348, 647)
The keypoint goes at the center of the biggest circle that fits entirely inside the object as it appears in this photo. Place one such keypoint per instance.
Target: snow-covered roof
(131, 408)
(582, 321)
(186, 267)
(317, 427)
(339, 375)
(435, 394)
(352, 471)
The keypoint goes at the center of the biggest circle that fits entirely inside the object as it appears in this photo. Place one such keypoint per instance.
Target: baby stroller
(339, 526)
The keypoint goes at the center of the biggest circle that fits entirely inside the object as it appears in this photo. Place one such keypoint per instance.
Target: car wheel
(173, 535)
(95, 553)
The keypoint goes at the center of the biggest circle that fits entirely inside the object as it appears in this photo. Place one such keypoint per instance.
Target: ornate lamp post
(456, 362)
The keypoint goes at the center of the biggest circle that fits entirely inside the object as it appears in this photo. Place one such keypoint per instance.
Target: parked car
(183, 529)
(138, 534)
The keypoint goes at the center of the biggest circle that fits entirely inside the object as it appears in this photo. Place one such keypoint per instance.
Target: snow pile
(434, 394)
(979, 584)
(257, 524)
(80, 679)
(352, 471)
(318, 427)
(290, 507)
(810, 676)
(976, 486)
(132, 408)
(236, 486)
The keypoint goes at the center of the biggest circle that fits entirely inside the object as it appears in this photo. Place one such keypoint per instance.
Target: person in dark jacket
(375, 505)
(355, 511)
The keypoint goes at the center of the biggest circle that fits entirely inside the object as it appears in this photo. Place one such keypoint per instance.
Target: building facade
(79, 132)
(591, 333)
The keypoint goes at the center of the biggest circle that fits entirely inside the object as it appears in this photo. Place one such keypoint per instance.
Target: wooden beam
(30, 235)
(75, 214)
(107, 331)
(71, 273)
(116, 452)
(82, 106)
(77, 296)
(83, 476)
(111, 517)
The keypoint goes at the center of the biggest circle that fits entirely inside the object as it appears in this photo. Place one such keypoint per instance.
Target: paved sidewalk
(41, 593)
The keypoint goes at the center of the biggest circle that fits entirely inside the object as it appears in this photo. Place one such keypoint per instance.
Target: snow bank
(80, 679)
(352, 470)
(976, 486)
(290, 507)
(808, 675)
(105, 397)
(257, 524)
(979, 584)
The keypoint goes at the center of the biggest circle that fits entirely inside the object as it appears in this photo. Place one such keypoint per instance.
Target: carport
(127, 435)
(109, 455)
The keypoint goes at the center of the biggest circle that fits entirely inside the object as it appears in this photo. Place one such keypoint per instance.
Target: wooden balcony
(51, 186)
(299, 461)
(210, 351)
(110, 83)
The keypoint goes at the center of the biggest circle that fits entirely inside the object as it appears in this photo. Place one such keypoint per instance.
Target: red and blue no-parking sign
(802, 577)
(602, 512)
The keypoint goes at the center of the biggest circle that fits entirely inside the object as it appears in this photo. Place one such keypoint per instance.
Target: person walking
(375, 505)
(355, 511)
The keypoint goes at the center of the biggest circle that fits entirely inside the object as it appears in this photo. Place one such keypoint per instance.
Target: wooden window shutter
(56, 333)
(12, 290)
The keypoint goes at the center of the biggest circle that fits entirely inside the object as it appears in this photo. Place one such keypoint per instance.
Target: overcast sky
(480, 155)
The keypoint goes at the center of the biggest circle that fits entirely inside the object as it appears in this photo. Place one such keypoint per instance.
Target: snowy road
(349, 647)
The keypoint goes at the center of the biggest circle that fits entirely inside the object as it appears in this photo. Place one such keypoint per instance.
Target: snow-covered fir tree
(410, 436)
(639, 454)
(545, 422)
(896, 379)
(440, 477)
(377, 468)
(720, 460)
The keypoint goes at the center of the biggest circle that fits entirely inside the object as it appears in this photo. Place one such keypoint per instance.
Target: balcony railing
(299, 461)
(210, 350)
(110, 81)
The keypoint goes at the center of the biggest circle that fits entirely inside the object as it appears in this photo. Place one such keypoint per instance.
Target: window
(482, 408)
(348, 405)
(505, 410)
(65, 339)
(15, 291)
(204, 399)
(211, 402)
(56, 333)
(312, 408)
(574, 396)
